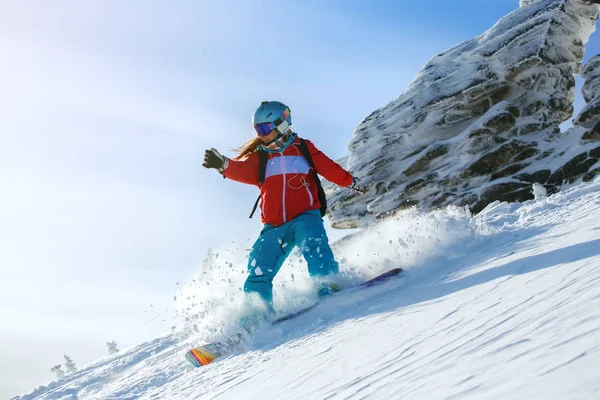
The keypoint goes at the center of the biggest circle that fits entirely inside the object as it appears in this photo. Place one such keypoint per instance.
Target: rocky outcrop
(591, 88)
(481, 121)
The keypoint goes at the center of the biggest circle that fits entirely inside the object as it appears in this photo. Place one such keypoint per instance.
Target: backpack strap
(262, 168)
(263, 157)
(306, 153)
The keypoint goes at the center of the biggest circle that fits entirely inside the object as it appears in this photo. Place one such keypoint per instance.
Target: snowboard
(370, 282)
(206, 354)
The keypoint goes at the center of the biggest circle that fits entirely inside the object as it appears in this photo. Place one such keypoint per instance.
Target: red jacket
(289, 190)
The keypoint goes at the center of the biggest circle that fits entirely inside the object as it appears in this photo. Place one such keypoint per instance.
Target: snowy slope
(505, 304)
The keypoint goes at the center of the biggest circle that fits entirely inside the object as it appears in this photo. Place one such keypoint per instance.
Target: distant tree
(70, 365)
(58, 371)
(112, 347)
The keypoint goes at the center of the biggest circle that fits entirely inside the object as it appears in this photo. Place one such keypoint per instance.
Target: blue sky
(106, 110)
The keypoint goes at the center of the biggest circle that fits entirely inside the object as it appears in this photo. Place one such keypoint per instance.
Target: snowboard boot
(252, 322)
(328, 288)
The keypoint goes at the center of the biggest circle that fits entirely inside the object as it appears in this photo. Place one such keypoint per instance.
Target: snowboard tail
(381, 278)
(206, 354)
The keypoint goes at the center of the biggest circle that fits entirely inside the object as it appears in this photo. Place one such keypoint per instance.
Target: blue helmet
(271, 115)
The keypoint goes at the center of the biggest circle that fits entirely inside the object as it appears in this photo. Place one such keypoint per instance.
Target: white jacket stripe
(291, 165)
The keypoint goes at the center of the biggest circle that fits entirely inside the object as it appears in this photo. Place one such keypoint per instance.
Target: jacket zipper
(282, 163)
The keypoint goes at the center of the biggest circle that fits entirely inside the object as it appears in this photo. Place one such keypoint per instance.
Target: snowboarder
(290, 205)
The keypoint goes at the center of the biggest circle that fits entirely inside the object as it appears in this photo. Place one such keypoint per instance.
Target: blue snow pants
(275, 244)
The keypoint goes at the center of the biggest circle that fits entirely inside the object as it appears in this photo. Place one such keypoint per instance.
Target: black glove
(214, 159)
(355, 185)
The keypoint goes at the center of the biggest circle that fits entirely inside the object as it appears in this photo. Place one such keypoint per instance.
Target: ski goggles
(264, 128)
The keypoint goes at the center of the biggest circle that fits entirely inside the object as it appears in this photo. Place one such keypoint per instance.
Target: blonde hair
(248, 148)
(252, 145)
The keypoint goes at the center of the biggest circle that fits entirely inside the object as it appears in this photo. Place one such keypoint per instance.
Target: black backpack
(262, 167)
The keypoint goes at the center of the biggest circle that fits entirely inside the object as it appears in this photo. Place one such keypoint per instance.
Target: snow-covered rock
(481, 121)
(588, 117)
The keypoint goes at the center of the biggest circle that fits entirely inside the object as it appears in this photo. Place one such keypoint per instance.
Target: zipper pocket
(310, 196)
